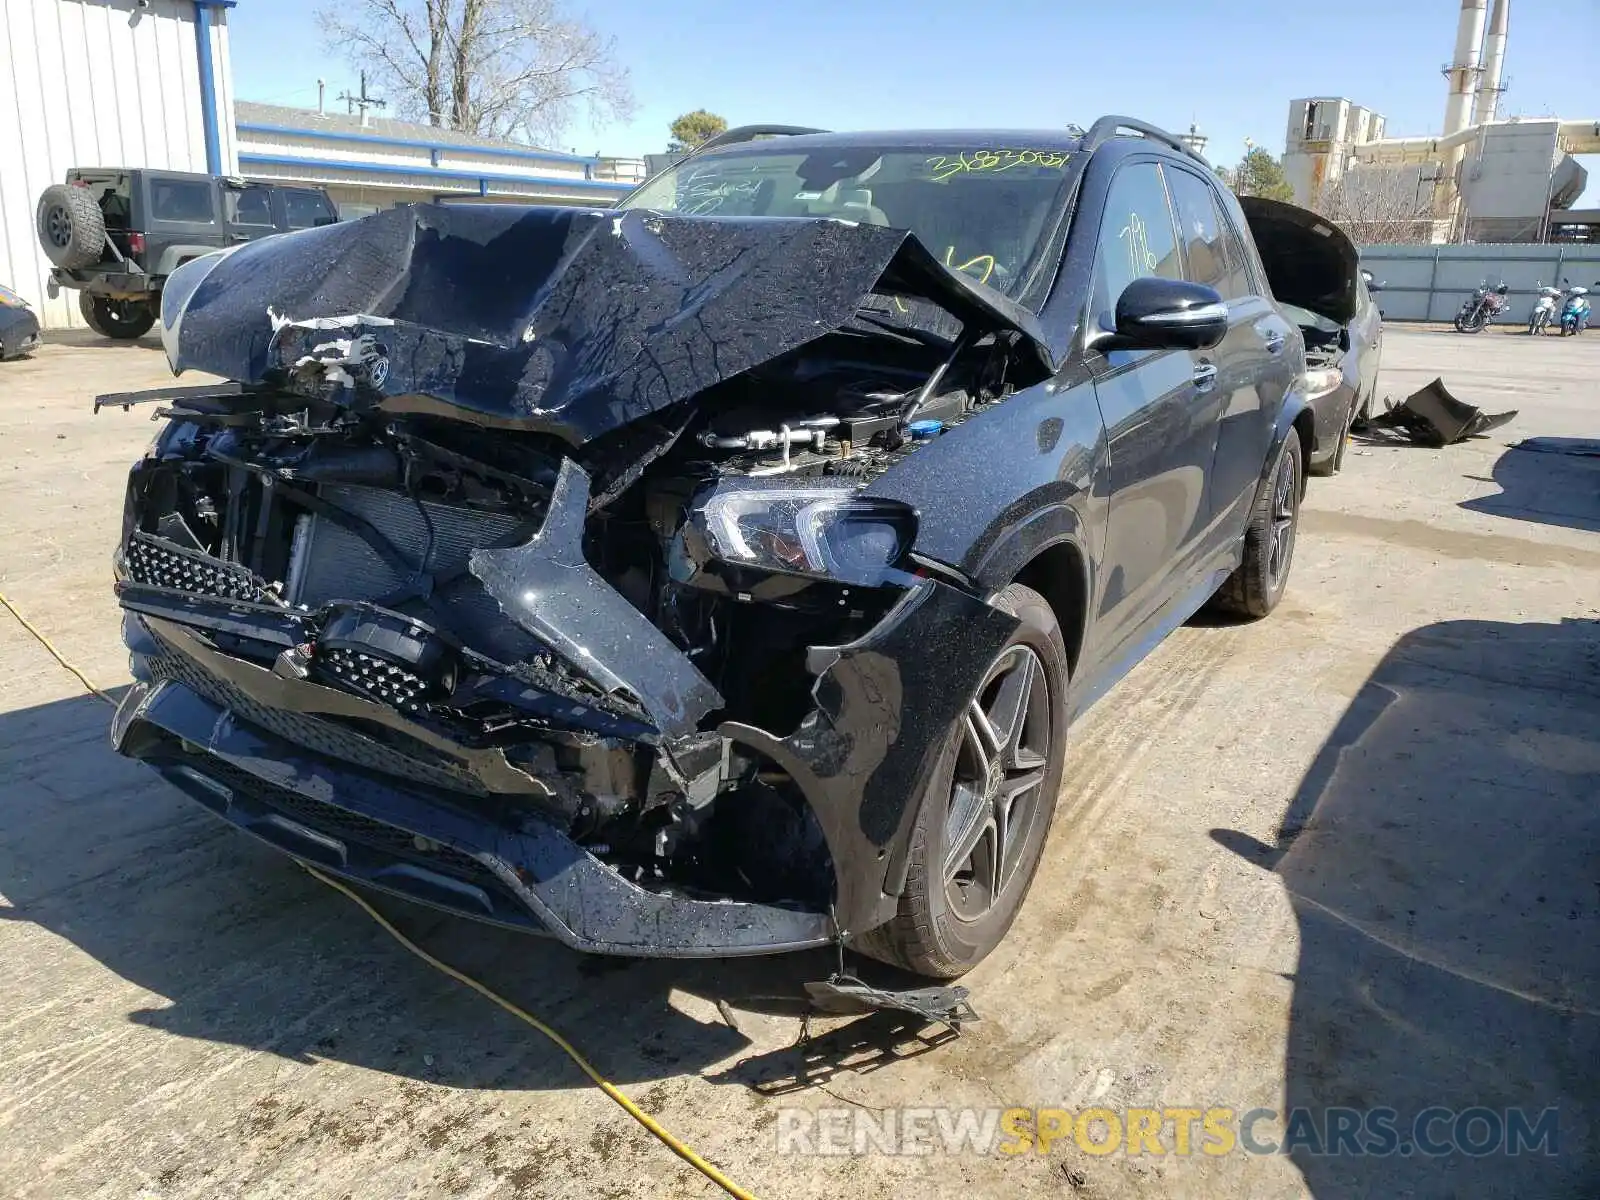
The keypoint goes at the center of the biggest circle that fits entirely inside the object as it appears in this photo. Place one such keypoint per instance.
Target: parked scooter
(1483, 306)
(1544, 309)
(1575, 315)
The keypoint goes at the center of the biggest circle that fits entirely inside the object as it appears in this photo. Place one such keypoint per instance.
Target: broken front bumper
(295, 764)
(426, 848)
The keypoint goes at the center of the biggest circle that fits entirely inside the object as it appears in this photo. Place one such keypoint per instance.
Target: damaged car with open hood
(717, 574)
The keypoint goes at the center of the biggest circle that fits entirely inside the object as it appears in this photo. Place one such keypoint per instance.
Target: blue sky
(1229, 65)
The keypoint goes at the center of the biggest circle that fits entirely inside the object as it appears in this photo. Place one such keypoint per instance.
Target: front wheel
(123, 320)
(1471, 322)
(1256, 586)
(981, 826)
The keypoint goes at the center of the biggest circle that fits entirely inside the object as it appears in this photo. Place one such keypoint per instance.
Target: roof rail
(1106, 128)
(749, 133)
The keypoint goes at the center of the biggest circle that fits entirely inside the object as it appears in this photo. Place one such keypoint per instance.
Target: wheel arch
(1046, 552)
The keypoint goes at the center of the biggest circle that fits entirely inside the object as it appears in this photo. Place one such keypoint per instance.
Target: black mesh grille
(354, 827)
(157, 563)
(380, 680)
(317, 735)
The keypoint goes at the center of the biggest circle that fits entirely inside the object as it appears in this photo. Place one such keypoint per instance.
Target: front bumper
(429, 849)
(285, 760)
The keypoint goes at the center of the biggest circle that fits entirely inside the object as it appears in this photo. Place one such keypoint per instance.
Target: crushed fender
(1431, 416)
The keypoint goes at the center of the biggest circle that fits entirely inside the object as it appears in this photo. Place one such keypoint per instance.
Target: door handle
(1205, 376)
(1275, 341)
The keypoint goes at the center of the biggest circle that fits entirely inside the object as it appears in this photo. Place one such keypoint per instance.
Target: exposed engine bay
(479, 555)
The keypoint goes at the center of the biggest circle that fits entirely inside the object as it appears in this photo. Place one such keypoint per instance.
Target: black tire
(71, 227)
(1256, 586)
(930, 934)
(1472, 323)
(123, 320)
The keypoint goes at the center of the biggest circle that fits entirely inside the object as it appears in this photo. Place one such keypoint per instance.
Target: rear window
(306, 209)
(111, 192)
(187, 200)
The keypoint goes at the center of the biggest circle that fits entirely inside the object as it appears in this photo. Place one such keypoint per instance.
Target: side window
(250, 206)
(186, 200)
(1202, 229)
(1136, 237)
(306, 209)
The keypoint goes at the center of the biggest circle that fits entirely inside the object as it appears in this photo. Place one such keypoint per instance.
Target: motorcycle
(1483, 306)
(1575, 315)
(1544, 309)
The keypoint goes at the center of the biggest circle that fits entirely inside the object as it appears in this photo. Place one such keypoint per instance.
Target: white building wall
(96, 84)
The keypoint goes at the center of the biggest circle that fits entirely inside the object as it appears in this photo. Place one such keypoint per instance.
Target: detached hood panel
(573, 322)
(1310, 261)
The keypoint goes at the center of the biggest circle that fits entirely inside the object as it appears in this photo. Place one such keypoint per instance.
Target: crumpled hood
(573, 322)
(1310, 261)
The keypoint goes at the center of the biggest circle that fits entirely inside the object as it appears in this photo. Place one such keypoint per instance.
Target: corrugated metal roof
(248, 112)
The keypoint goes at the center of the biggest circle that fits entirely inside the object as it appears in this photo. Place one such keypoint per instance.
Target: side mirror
(1166, 314)
(1375, 286)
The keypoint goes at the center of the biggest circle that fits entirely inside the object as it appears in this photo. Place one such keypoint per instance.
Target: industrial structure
(149, 83)
(1484, 178)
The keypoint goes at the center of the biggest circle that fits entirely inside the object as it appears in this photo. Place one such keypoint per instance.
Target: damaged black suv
(718, 575)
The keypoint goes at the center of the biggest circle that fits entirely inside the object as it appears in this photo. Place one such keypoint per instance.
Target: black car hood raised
(1311, 262)
(573, 322)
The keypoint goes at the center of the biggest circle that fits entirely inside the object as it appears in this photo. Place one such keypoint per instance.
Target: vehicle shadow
(1442, 856)
(1550, 480)
(247, 949)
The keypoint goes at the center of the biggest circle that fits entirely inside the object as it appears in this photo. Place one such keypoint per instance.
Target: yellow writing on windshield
(984, 262)
(944, 166)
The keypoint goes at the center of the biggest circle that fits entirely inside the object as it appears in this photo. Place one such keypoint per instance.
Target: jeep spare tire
(72, 229)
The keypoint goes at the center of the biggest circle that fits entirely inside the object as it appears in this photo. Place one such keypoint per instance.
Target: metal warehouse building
(148, 83)
(103, 83)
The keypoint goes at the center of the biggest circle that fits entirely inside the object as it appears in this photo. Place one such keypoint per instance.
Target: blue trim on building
(426, 172)
(374, 139)
(208, 81)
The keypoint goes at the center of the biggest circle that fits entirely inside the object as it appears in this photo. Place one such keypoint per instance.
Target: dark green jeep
(115, 234)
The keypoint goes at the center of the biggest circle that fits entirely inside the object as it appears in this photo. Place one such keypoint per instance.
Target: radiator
(334, 563)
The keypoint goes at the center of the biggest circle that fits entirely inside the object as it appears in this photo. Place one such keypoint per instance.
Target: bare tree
(518, 69)
(1380, 205)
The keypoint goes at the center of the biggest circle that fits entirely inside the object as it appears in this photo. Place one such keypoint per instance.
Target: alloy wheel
(59, 223)
(1285, 503)
(995, 796)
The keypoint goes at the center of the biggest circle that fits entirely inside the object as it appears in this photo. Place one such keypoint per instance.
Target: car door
(249, 213)
(1214, 256)
(1246, 432)
(1154, 405)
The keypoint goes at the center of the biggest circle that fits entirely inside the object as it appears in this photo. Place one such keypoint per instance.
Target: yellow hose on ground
(54, 653)
(599, 1080)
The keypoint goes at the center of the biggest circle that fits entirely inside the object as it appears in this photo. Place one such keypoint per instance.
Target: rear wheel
(71, 227)
(1256, 586)
(981, 826)
(123, 320)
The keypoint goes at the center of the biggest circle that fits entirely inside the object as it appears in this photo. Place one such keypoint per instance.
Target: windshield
(981, 211)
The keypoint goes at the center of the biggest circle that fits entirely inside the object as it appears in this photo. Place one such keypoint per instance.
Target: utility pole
(363, 101)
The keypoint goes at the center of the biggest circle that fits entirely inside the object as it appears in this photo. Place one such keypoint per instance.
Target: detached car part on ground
(717, 576)
(1316, 276)
(114, 235)
(19, 328)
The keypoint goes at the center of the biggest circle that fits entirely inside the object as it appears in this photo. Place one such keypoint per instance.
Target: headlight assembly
(1322, 380)
(829, 532)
